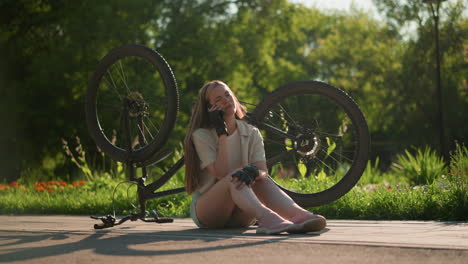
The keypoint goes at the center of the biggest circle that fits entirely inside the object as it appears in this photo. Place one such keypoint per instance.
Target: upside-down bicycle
(316, 138)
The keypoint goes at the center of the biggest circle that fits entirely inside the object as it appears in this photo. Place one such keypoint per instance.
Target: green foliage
(372, 173)
(378, 195)
(416, 73)
(80, 159)
(90, 169)
(397, 203)
(423, 168)
(459, 161)
(392, 197)
(49, 50)
(458, 178)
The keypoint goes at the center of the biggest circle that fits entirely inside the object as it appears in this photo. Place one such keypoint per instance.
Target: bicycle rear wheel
(327, 148)
(139, 79)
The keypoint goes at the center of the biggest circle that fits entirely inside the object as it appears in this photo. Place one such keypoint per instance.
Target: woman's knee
(227, 181)
(263, 181)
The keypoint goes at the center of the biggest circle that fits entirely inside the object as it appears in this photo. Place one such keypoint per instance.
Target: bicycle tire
(265, 111)
(154, 67)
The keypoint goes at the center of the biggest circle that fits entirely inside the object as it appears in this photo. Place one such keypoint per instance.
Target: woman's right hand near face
(216, 117)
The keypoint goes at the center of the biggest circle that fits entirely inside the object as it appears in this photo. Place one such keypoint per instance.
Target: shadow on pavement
(454, 223)
(107, 242)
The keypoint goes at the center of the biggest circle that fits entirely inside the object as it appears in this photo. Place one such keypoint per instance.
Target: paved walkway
(72, 239)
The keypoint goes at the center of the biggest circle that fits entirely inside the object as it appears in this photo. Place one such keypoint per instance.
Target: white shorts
(193, 211)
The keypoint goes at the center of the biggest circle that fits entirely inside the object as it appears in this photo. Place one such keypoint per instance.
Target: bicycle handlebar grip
(107, 221)
(100, 226)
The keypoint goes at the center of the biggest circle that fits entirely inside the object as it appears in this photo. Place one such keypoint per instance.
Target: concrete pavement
(72, 239)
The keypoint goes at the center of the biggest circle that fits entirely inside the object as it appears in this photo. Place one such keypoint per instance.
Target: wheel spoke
(280, 117)
(153, 125)
(286, 112)
(122, 76)
(279, 157)
(276, 142)
(112, 84)
(334, 153)
(148, 130)
(326, 165)
(142, 133)
(320, 133)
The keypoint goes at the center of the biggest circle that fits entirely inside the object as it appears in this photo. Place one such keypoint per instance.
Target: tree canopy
(49, 48)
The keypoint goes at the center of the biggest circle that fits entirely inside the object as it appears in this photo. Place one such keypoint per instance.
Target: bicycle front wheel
(132, 103)
(323, 147)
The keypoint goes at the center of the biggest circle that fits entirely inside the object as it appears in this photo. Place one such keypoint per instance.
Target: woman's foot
(308, 222)
(272, 223)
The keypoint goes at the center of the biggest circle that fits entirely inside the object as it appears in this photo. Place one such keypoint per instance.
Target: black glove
(216, 118)
(248, 174)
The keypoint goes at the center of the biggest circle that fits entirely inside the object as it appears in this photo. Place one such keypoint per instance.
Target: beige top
(250, 148)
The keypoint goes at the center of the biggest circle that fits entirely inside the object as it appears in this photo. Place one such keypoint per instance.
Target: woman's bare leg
(217, 204)
(239, 218)
(275, 199)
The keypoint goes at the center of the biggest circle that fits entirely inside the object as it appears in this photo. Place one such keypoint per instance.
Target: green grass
(414, 190)
(432, 202)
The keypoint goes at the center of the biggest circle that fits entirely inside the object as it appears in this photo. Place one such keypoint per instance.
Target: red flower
(15, 184)
(78, 183)
(53, 183)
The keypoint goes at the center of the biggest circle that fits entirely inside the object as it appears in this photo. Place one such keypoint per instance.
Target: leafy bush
(372, 173)
(459, 162)
(458, 180)
(422, 169)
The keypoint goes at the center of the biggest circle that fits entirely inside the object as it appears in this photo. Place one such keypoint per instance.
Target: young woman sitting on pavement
(226, 171)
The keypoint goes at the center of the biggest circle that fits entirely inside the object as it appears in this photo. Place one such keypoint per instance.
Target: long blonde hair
(199, 119)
